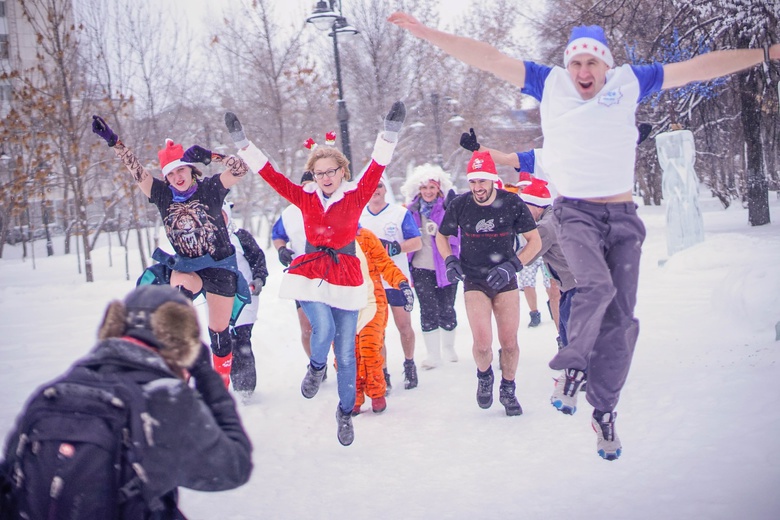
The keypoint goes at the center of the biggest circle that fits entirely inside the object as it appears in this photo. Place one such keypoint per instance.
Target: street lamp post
(324, 17)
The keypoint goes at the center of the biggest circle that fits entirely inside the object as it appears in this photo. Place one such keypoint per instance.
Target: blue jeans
(330, 325)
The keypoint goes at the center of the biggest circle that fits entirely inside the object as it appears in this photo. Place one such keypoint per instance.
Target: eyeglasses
(326, 173)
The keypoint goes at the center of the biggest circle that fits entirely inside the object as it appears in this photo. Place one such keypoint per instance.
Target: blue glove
(500, 275)
(408, 296)
(454, 270)
(195, 154)
(391, 246)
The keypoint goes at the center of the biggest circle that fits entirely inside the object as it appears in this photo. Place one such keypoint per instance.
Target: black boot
(242, 372)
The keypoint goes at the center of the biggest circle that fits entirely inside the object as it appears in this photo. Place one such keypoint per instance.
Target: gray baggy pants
(602, 244)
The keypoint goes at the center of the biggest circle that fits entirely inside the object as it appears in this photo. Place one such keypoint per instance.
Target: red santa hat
(170, 157)
(536, 193)
(481, 166)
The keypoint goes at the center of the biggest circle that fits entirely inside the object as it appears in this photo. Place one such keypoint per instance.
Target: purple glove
(100, 127)
(195, 154)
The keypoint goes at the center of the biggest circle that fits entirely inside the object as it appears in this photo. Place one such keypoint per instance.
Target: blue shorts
(395, 298)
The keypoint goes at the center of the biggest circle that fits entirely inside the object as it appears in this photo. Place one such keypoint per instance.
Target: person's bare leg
(554, 295)
(506, 309)
(479, 311)
(530, 298)
(403, 322)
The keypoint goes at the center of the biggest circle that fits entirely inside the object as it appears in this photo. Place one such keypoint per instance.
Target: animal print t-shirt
(487, 233)
(195, 227)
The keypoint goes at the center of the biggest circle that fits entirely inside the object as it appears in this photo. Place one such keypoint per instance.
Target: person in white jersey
(289, 240)
(588, 111)
(397, 230)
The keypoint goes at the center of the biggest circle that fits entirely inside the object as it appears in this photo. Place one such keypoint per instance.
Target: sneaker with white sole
(607, 442)
(564, 396)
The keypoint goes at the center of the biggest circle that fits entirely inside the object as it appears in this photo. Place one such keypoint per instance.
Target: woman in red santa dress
(327, 279)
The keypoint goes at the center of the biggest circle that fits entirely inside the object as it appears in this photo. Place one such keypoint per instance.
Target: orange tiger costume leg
(369, 343)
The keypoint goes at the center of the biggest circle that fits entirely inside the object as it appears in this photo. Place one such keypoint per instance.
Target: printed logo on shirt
(610, 98)
(485, 226)
(391, 231)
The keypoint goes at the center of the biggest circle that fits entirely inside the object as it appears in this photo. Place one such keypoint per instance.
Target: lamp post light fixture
(324, 17)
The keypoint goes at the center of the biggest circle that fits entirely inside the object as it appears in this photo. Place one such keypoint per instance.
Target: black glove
(501, 274)
(454, 270)
(202, 362)
(408, 296)
(235, 130)
(469, 140)
(195, 154)
(394, 119)
(644, 131)
(391, 246)
(285, 256)
(100, 127)
(256, 286)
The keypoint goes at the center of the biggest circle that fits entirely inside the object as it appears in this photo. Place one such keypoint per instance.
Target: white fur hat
(420, 176)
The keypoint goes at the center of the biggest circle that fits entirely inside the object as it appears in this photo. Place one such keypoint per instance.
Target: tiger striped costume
(369, 339)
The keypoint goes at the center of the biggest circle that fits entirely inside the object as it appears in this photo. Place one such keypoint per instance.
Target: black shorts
(471, 284)
(222, 282)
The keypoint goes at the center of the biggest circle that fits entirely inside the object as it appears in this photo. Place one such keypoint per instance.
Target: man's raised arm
(471, 52)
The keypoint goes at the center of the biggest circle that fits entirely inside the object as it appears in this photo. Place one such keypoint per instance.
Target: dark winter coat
(198, 440)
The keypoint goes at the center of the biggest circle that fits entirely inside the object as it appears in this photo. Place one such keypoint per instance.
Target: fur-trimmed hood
(159, 317)
(421, 175)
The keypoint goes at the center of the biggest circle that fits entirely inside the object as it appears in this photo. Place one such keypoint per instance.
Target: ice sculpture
(684, 224)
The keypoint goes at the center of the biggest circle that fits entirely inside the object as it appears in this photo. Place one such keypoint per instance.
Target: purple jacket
(437, 214)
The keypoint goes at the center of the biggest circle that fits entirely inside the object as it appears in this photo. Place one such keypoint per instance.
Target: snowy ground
(697, 416)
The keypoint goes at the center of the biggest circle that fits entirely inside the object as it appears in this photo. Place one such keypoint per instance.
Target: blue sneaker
(485, 389)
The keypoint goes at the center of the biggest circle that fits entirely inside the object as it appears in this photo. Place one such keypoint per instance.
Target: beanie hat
(481, 166)
(161, 317)
(170, 157)
(588, 39)
(536, 193)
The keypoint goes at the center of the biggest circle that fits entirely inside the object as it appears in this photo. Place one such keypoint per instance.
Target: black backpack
(78, 450)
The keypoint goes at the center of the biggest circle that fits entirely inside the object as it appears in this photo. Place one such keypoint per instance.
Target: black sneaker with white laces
(506, 396)
(485, 388)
